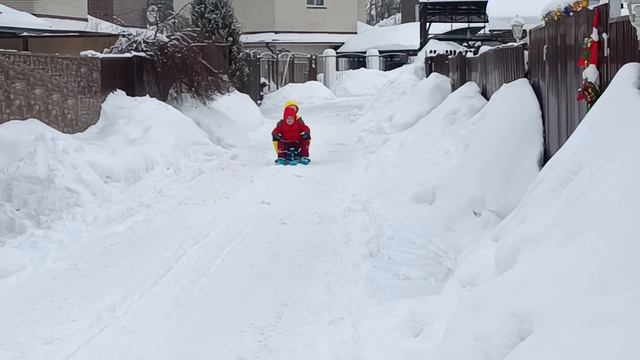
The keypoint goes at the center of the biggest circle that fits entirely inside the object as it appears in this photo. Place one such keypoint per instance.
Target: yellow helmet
(292, 103)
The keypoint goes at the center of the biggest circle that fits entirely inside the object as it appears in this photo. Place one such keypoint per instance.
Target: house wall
(126, 12)
(294, 16)
(337, 16)
(22, 5)
(130, 12)
(101, 9)
(255, 16)
(179, 4)
(64, 8)
(70, 45)
(11, 44)
(408, 9)
(58, 45)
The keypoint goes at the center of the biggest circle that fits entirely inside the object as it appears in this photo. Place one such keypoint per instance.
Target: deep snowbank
(48, 178)
(307, 94)
(556, 279)
(453, 177)
(405, 99)
(227, 120)
(361, 82)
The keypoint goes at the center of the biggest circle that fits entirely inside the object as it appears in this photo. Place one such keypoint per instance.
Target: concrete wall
(63, 92)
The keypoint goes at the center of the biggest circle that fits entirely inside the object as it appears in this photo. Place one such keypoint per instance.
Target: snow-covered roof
(11, 18)
(15, 19)
(91, 25)
(393, 38)
(297, 38)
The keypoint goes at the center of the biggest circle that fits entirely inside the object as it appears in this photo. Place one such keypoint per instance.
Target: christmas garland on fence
(590, 90)
(566, 11)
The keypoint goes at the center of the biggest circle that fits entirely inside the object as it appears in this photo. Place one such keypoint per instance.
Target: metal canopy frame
(452, 12)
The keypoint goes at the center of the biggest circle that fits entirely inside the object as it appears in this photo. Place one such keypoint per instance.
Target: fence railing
(269, 72)
(553, 54)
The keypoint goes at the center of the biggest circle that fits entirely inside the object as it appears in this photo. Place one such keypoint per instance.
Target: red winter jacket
(292, 133)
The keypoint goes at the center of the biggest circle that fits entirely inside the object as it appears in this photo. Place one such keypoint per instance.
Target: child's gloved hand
(277, 137)
(305, 135)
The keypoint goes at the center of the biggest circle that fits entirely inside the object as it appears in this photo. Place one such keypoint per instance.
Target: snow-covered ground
(422, 229)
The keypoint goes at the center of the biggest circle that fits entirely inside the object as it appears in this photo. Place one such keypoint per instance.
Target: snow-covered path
(251, 261)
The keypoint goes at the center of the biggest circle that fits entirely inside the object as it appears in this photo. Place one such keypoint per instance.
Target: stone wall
(63, 92)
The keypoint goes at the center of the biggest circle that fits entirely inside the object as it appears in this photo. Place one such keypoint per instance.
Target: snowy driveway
(246, 261)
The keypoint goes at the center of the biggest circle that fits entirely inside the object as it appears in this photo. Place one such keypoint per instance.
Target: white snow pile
(436, 47)
(405, 99)
(309, 93)
(10, 17)
(454, 176)
(49, 178)
(556, 279)
(361, 82)
(227, 120)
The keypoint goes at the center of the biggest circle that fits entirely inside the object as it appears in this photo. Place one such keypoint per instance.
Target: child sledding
(292, 137)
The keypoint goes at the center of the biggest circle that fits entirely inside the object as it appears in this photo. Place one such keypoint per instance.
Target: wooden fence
(268, 72)
(553, 54)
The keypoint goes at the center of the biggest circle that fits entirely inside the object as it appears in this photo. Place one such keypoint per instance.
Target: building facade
(316, 16)
(66, 9)
(131, 13)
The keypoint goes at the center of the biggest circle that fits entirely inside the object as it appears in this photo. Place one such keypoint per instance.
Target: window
(316, 3)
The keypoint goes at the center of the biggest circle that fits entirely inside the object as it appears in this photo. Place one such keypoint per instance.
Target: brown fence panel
(500, 66)
(123, 73)
(62, 91)
(473, 70)
(458, 70)
(441, 64)
(623, 45)
(438, 64)
(555, 50)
